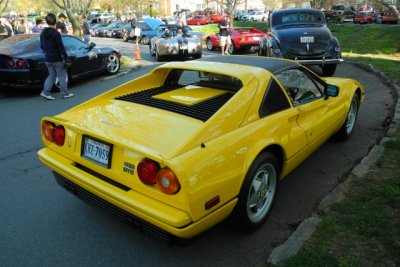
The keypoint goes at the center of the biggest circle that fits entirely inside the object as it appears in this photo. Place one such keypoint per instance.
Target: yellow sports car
(183, 147)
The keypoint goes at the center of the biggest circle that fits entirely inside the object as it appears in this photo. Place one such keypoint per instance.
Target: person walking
(60, 26)
(85, 29)
(56, 58)
(225, 34)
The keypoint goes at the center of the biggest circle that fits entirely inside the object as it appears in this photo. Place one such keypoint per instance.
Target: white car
(255, 16)
(106, 15)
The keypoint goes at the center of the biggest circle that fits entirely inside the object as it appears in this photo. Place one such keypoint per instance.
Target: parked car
(168, 43)
(340, 13)
(96, 27)
(302, 34)
(22, 62)
(188, 144)
(107, 16)
(198, 20)
(255, 16)
(216, 18)
(119, 32)
(147, 30)
(389, 16)
(243, 39)
(364, 17)
(103, 32)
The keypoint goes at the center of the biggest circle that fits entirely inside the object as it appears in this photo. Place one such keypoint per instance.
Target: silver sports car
(169, 42)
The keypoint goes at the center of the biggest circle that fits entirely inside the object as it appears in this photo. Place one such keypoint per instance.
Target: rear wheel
(329, 69)
(145, 40)
(158, 57)
(125, 38)
(257, 193)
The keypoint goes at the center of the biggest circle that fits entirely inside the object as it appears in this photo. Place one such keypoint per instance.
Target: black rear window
(21, 43)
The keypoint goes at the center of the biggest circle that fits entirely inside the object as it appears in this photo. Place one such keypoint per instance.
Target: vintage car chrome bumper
(322, 61)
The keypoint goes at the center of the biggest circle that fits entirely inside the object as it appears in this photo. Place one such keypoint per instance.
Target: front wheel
(347, 128)
(257, 193)
(329, 70)
(125, 38)
(113, 63)
(209, 45)
(232, 49)
(145, 40)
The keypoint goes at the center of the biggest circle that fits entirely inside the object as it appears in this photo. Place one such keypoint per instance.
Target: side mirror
(91, 45)
(331, 90)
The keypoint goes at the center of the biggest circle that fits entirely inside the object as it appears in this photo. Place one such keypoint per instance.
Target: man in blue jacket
(56, 58)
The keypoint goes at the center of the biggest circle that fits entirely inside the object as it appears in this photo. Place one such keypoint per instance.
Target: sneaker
(227, 53)
(68, 95)
(49, 97)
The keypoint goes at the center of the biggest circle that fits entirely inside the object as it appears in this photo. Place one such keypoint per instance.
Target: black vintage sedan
(302, 34)
(22, 61)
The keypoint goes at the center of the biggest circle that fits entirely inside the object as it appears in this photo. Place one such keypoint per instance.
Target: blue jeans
(56, 69)
(86, 38)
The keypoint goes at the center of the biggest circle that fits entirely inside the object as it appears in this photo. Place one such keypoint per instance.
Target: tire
(209, 45)
(348, 126)
(152, 53)
(145, 40)
(113, 64)
(257, 193)
(125, 38)
(329, 69)
(232, 49)
(158, 57)
(197, 56)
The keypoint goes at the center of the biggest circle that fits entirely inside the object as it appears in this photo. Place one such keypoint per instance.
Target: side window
(274, 100)
(299, 86)
(71, 43)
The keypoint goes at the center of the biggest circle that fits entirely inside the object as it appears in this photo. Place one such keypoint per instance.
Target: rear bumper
(19, 79)
(152, 217)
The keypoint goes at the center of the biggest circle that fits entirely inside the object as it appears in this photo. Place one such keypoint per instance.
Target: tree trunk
(76, 25)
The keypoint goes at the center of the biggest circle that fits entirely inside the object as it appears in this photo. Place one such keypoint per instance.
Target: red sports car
(364, 17)
(216, 18)
(389, 16)
(243, 38)
(198, 20)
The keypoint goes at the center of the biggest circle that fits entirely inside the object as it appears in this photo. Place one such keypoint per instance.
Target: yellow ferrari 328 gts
(190, 144)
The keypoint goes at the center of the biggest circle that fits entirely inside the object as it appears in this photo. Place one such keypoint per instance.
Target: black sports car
(302, 34)
(22, 62)
(102, 32)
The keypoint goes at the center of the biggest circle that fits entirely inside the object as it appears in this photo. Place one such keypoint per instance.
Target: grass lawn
(364, 229)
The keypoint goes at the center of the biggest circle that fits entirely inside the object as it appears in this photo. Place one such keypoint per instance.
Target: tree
(3, 5)
(74, 9)
(230, 6)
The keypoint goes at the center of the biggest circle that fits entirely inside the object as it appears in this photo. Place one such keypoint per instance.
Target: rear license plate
(97, 151)
(306, 39)
(183, 47)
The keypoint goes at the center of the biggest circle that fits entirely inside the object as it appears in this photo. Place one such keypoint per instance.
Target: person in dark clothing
(56, 58)
(60, 26)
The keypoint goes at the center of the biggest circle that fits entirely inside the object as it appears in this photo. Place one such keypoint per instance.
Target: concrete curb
(305, 230)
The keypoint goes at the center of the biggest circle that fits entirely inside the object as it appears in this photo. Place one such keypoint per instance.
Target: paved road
(42, 225)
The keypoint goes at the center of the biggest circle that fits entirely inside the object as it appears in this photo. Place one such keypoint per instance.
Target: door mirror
(91, 45)
(331, 90)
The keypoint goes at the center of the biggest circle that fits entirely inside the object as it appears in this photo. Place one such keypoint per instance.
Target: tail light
(52, 133)
(17, 63)
(149, 173)
(167, 181)
(11, 63)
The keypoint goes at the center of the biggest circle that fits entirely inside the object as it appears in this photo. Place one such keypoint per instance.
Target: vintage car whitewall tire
(257, 193)
(113, 64)
(348, 126)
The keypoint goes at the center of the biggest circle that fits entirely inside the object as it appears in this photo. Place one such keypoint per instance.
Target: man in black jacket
(56, 58)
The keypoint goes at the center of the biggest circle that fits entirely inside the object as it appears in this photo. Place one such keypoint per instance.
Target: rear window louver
(201, 111)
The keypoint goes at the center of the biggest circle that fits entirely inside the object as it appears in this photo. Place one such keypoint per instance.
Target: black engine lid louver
(201, 111)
